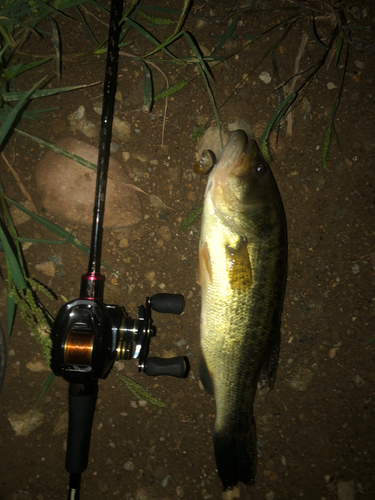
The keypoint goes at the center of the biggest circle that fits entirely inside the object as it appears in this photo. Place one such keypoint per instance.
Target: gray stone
(345, 490)
(68, 188)
(241, 124)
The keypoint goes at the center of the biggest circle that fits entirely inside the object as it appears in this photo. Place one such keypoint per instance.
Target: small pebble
(180, 492)
(150, 275)
(265, 77)
(355, 269)
(124, 243)
(128, 465)
(133, 404)
(125, 156)
(359, 381)
(48, 268)
(165, 233)
(345, 490)
(39, 366)
(165, 481)
(331, 86)
(181, 343)
(140, 156)
(359, 64)
(114, 147)
(56, 259)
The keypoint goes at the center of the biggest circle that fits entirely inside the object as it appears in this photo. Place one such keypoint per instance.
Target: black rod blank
(105, 135)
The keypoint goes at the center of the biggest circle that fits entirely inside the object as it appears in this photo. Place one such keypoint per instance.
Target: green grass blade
(56, 44)
(315, 34)
(11, 312)
(46, 384)
(191, 218)
(42, 242)
(182, 17)
(7, 124)
(212, 99)
(147, 89)
(170, 91)
(58, 150)
(18, 69)
(277, 116)
(138, 391)
(227, 35)
(86, 25)
(198, 133)
(150, 38)
(197, 53)
(16, 96)
(57, 230)
(12, 260)
(157, 21)
(340, 42)
(326, 145)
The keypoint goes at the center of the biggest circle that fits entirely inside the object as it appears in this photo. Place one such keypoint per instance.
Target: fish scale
(242, 272)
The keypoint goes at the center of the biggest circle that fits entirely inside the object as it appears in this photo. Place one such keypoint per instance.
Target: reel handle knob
(171, 303)
(175, 367)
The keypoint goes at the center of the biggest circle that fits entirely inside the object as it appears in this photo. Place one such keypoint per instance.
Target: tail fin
(236, 456)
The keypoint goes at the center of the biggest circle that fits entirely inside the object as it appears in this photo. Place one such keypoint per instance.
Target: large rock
(68, 188)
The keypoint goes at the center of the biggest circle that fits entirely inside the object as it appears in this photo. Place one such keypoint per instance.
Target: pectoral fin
(205, 376)
(204, 264)
(238, 265)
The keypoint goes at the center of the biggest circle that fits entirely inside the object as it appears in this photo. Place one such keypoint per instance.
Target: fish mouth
(237, 155)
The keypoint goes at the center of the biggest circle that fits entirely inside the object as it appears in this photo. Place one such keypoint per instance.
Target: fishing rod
(88, 336)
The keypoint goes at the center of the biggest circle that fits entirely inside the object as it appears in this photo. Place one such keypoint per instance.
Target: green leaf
(147, 89)
(11, 312)
(138, 391)
(227, 35)
(8, 123)
(58, 150)
(61, 233)
(56, 44)
(18, 69)
(46, 384)
(149, 37)
(277, 116)
(191, 218)
(315, 34)
(197, 53)
(171, 90)
(12, 261)
(16, 96)
(340, 41)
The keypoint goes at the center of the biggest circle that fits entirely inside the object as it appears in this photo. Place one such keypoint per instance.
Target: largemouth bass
(242, 272)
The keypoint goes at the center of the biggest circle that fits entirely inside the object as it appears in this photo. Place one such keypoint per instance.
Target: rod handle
(82, 399)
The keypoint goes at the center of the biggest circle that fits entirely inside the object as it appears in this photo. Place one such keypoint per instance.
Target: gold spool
(78, 348)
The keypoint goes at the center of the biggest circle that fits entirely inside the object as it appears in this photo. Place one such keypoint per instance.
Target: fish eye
(261, 169)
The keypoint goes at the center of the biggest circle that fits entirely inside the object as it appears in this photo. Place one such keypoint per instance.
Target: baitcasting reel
(88, 336)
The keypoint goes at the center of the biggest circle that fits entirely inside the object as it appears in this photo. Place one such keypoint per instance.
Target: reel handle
(175, 367)
(170, 303)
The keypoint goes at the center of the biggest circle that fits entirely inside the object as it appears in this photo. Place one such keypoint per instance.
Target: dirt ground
(316, 436)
